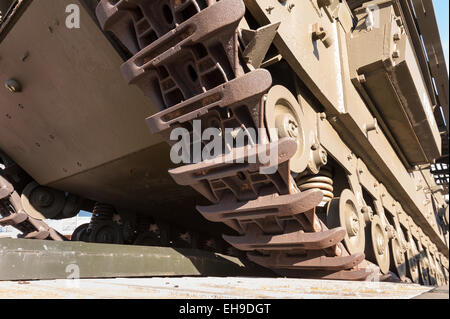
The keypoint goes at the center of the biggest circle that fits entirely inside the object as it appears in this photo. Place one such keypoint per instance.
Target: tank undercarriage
(321, 214)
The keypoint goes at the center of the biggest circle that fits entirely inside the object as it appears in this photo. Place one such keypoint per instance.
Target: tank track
(187, 59)
(13, 214)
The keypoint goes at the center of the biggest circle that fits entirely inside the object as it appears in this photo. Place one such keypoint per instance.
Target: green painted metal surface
(24, 259)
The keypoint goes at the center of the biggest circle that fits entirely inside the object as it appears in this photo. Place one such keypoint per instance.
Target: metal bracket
(258, 42)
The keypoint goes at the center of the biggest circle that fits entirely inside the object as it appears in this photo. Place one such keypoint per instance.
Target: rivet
(13, 85)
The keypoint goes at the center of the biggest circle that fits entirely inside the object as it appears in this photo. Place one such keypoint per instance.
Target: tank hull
(76, 126)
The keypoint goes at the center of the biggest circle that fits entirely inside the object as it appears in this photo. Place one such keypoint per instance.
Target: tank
(309, 137)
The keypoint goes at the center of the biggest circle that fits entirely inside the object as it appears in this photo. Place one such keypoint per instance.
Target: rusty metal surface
(297, 240)
(179, 47)
(198, 60)
(159, 69)
(210, 37)
(383, 160)
(310, 260)
(264, 206)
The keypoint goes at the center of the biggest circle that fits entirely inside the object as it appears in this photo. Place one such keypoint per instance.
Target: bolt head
(287, 126)
(13, 85)
(361, 78)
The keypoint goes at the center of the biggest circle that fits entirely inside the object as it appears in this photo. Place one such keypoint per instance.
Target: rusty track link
(13, 214)
(187, 61)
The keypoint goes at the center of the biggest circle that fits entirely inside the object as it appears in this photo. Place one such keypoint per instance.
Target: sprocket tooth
(359, 274)
(222, 17)
(235, 162)
(310, 261)
(41, 234)
(13, 219)
(244, 90)
(193, 67)
(288, 241)
(271, 205)
(118, 19)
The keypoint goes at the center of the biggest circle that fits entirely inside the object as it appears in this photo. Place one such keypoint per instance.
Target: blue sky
(441, 9)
